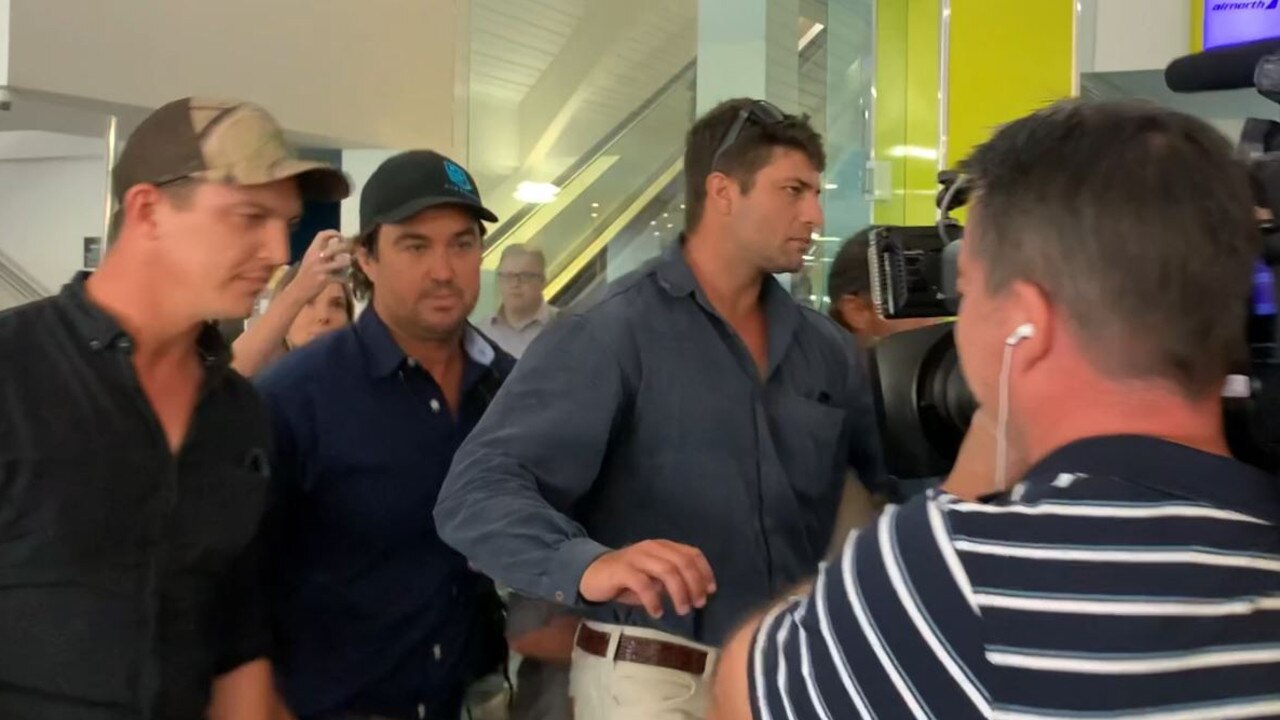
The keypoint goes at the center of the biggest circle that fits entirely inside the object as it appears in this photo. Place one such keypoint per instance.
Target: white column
(748, 48)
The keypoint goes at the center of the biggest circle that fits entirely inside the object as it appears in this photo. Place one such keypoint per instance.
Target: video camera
(921, 396)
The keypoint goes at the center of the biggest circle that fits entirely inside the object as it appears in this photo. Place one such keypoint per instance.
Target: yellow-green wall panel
(907, 108)
(1197, 25)
(1007, 58)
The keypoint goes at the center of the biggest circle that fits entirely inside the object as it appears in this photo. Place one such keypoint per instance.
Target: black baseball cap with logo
(413, 181)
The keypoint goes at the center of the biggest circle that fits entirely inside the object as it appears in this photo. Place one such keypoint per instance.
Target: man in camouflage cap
(133, 461)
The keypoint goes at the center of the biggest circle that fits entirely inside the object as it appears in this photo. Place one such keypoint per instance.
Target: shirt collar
(782, 315)
(544, 316)
(385, 356)
(1169, 467)
(101, 331)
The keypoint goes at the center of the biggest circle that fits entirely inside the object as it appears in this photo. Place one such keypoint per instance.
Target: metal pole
(944, 80)
(109, 198)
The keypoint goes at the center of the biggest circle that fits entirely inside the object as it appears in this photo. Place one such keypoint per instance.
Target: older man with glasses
(524, 313)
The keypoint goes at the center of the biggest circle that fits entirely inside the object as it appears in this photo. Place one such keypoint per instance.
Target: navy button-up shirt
(373, 612)
(645, 417)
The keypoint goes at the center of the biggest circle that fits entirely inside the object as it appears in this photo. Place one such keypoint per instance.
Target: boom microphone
(1225, 68)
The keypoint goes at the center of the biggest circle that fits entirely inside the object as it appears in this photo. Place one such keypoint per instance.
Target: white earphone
(1020, 333)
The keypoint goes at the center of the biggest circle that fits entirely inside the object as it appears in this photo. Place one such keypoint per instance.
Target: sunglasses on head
(762, 112)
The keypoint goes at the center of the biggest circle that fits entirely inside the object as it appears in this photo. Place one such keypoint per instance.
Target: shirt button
(411, 363)
(435, 405)
(437, 652)
(95, 344)
(559, 597)
(125, 344)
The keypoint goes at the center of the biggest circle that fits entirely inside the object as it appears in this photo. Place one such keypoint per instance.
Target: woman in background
(308, 300)
(849, 288)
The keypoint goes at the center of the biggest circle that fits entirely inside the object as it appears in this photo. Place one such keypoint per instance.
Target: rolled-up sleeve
(242, 628)
(536, 452)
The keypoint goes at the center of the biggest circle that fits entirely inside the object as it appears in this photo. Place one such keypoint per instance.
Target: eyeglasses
(520, 277)
(763, 112)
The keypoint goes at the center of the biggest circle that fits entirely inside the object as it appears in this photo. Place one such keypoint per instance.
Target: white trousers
(605, 689)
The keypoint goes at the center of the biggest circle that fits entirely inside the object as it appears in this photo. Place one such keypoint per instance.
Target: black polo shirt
(127, 575)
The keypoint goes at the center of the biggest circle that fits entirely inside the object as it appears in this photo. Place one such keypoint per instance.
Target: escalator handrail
(19, 280)
(686, 74)
(807, 53)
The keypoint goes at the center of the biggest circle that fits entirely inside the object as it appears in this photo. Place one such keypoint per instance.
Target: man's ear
(138, 208)
(1031, 306)
(366, 258)
(721, 192)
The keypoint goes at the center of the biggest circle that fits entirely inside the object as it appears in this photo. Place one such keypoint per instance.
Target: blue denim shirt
(646, 417)
(373, 612)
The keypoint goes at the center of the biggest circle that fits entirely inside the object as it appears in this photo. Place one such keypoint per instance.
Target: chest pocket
(217, 512)
(807, 436)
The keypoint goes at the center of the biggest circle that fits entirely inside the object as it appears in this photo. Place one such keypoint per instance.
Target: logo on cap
(458, 176)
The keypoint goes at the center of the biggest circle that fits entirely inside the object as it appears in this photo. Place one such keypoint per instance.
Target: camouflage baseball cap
(225, 141)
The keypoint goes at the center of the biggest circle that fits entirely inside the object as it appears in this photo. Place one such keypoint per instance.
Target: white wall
(1118, 35)
(4, 42)
(358, 165)
(47, 207)
(373, 73)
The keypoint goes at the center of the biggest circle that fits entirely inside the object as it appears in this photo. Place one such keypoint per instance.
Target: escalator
(622, 198)
(17, 287)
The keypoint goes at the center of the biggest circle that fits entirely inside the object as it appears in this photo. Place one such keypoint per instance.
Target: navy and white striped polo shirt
(1125, 577)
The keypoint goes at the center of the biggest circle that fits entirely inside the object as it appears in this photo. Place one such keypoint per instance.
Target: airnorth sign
(1228, 23)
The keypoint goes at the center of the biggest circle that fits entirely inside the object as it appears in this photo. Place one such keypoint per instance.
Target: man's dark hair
(751, 151)
(361, 285)
(1137, 221)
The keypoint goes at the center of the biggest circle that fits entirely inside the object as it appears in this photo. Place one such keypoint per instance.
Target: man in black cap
(133, 461)
(375, 615)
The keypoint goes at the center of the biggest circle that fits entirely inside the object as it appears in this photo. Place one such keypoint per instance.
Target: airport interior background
(570, 113)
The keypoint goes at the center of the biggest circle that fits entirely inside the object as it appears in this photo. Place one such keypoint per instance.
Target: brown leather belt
(643, 651)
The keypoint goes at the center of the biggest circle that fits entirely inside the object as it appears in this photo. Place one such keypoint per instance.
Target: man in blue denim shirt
(374, 614)
(681, 445)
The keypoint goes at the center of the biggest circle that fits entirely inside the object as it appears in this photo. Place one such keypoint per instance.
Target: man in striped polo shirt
(1134, 569)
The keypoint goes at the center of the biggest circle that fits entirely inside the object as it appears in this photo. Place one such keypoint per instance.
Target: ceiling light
(913, 151)
(813, 33)
(831, 186)
(536, 192)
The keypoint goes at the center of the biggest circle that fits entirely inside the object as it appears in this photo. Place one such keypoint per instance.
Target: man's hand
(246, 693)
(642, 573)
